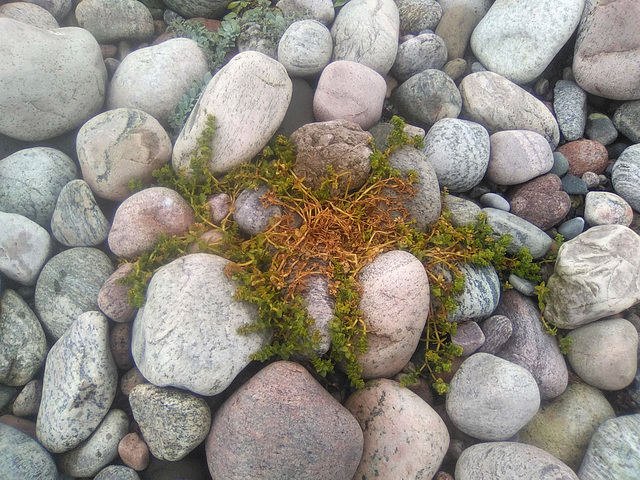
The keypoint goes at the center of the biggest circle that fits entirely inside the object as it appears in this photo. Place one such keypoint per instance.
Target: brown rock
(585, 156)
(113, 297)
(134, 452)
(121, 345)
(129, 380)
(541, 201)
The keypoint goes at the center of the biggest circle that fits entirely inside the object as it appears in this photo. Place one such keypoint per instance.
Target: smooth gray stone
(522, 285)
(463, 212)
(571, 228)
(560, 164)
(113, 20)
(252, 216)
(7, 394)
(601, 129)
(627, 120)
(79, 384)
(614, 450)
(198, 8)
(69, 285)
(31, 180)
(570, 106)
(523, 233)
(27, 402)
(321, 10)
(481, 293)
(417, 54)
(573, 185)
(626, 176)
(418, 15)
(24, 458)
(252, 38)
(77, 220)
(305, 48)
(23, 346)
(497, 330)
(469, 336)
(493, 200)
(320, 307)
(117, 472)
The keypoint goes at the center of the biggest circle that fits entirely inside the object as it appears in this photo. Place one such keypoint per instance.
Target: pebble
(469, 336)
(571, 228)
(585, 156)
(113, 296)
(117, 472)
(58, 8)
(300, 111)
(219, 207)
(426, 51)
(570, 106)
(481, 292)
(195, 8)
(120, 341)
(606, 208)
(591, 179)
(418, 15)
(523, 233)
(455, 68)
(7, 394)
(27, 403)
(522, 285)
(305, 48)
(130, 379)
(497, 330)
(114, 20)
(251, 214)
(458, 20)
(601, 129)
(320, 10)
(23, 457)
(518, 156)
(541, 201)
(626, 176)
(68, 286)
(573, 185)
(494, 200)
(627, 120)
(560, 164)
(133, 451)
(462, 212)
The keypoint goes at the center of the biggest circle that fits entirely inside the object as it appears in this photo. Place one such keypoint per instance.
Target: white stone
(305, 48)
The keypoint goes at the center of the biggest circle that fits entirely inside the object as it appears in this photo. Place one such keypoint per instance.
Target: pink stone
(134, 452)
(541, 201)
(585, 156)
(113, 297)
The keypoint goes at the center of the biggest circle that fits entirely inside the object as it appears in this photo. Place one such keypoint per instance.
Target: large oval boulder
(23, 457)
(114, 20)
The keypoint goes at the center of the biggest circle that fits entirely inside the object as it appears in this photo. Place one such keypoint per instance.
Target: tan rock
(113, 296)
(134, 452)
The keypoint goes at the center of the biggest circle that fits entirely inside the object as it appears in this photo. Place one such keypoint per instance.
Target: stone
(608, 42)
(560, 164)
(249, 97)
(100, 449)
(253, 38)
(27, 403)
(23, 346)
(154, 79)
(172, 422)
(23, 457)
(500, 104)
(481, 292)
(113, 298)
(591, 179)
(570, 106)
(518, 156)
(198, 8)
(522, 285)
(564, 427)
(77, 220)
(320, 305)
(601, 129)
(320, 10)
(29, 13)
(219, 207)
(510, 460)
(56, 81)
(114, 20)
(300, 111)
(585, 156)
(418, 15)
(340, 144)
(366, 32)
(144, 216)
(130, 379)
(426, 51)
(523, 233)
(318, 439)
(571, 228)
(455, 28)
(68, 286)
(494, 200)
(596, 274)
(305, 48)
(7, 394)
(349, 91)
(573, 185)
(79, 384)
(395, 305)
(117, 472)
(392, 416)
(519, 40)
(614, 450)
(469, 337)
(530, 346)
(626, 176)
(459, 153)
(462, 211)
(541, 201)
(490, 398)
(133, 451)
(606, 208)
(427, 97)
(604, 353)
(627, 120)
(497, 330)
(251, 214)
(118, 146)
(120, 341)
(31, 180)
(163, 346)
(455, 68)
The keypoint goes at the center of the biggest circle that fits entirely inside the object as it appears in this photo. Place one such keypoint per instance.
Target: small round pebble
(601, 129)
(469, 336)
(591, 179)
(133, 451)
(494, 200)
(129, 380)
(522, 285)
(606, 208)
(27, 403)
(117, 472)
(560, 164)
(574, 185)
(571, 228)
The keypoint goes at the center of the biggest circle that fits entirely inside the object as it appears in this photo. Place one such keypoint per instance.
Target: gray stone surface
(30, 181)
(7, 394)
(163, 345)
(570, 106)
(481, 293)
(57, 80)
(426, 51)
(606, 208)
(23, 346)
(23, 457)
(523, 233)
(601, 129)
(320, 10)
(29, 13)
(494, 200)
(571, 228)
(627, 120)
(522, 285)
(560, 164)
(462, 211)
(418, 15)
(68, 286)
(172, 422)
(305, 48)
(518, 156)
(249, 97)
(497, 330)
(320, 307)
(117, 472)
(626, 176)
(250, 213)
(27, 403)
(596, 274)
(459, 153)
(79, 384)
(115, 20)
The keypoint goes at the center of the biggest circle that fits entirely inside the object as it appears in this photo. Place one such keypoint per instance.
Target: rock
(56, 82)
(116, 472)
(570, 106)
(317, 437)
(518, 156)
(163, 345)
(573, 185)
(426, 51)
(627, 120)
(493, 200)
(249, 97)
(585, 156)
(481, 292)
(198, 8)
(592, 180)
(459, 153)
(27, 403)
(499, 104)
(571, 228)
(320, 10)
(427, 97)
(601, 129)
(455, 28)
(469, 337)
(219, 207)
(58, 8)
(541, 201)
(339, 144)
(614, 450)
(519, 40)
(563, 428)
(250, 213)
(418, 15)
(23, 457)
(497, 330)
(113, 296)
(23, 346)
(366, 32)
(606, 208)
(596, 275)
(114, 20)
(395, 305)
(79, 384)
(118, 146)
(133, 451)
(530, 346)
(455, 68)
(31, 180)
(29, 13)
(305, 48)
(604, 353)
(253, 38)
(77, 220)
(144, 216)
(120, 341)
(300, 111)
(463, 212)
(100, 449)
(609, 42)
(523, 233)
(349, 91)
(68, 286)
(320, 305)
(522, 285)
(560, 164)
(626, 176)
(510, 460)
(490, 398)
(391, 416)
(172, 422)
(7, 394)
(130, 379)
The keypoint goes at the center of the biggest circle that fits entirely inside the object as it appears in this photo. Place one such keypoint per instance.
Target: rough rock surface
(23, 457)
(524, 234)
(481, 293)
(115, 20)
(626, 176)
(305, 48)
(29, 13)
(541, 201)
